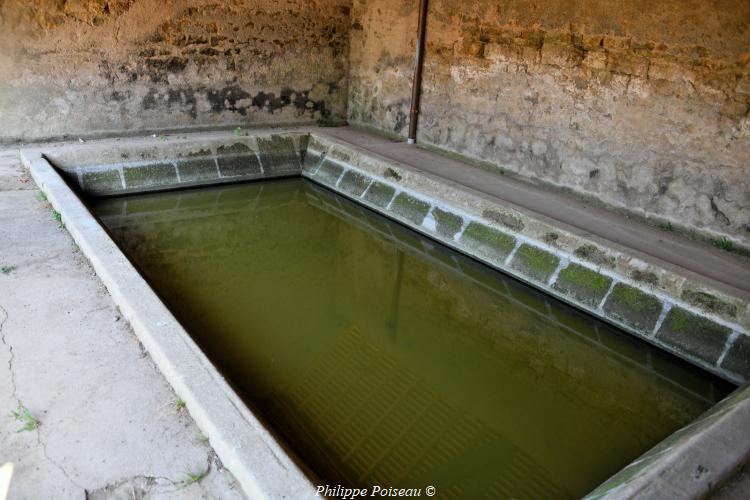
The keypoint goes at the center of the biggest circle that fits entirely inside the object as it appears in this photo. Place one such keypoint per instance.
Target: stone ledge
(640, 298)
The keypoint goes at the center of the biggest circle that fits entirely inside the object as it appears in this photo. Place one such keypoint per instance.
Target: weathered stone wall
(83, 67)
(642, 105)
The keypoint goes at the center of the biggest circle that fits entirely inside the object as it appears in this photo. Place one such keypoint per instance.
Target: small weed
(179, 405)
(6, 270)
(238, 131)
(22, 414)
(192, 476)
(162, 137)
(56, 215)
(666, 226)
(723, 243)
(202, 438)
(42, 196)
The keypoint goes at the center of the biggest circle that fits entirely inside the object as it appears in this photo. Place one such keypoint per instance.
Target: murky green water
(384, 358)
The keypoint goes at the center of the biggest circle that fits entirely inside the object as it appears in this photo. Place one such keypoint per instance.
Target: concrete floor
(109, 427)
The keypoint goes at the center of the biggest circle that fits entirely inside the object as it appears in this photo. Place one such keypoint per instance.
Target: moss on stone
(583, 284)
(102, 182)
(508, 220)
(329, 173)
(694, 335)
(633, 307)
(594, 255)
(354, 184)
(550, 238)
(410, 208)
(197, 169)
(710, 303)
(234, 166)
(645, 277)
(448, 224)
(236, 148)
(737, 359)
(147, 176)
(391, 174)
(380, 194)
(534, 262)
(488, 242)
(278, 155)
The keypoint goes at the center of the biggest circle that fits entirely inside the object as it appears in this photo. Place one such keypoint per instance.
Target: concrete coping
(683, 314)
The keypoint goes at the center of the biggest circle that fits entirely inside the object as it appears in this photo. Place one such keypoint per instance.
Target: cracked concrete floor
(109, 427)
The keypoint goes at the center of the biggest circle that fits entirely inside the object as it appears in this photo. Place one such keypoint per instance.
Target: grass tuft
(6, 270)
(56, 215)
(238, 131)
(193, 476)
(666, 226)
(23, 415)
(42, 196)
(179, 405)
(723, 243)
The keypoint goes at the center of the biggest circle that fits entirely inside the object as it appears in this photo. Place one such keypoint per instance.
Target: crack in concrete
(141, 485)
(14, 393)
(54, 462)
(12, 356)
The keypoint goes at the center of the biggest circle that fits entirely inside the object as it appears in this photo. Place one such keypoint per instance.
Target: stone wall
(85, 67)
(641, 105)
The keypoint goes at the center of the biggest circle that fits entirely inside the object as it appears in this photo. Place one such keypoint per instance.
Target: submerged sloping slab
(692, 461)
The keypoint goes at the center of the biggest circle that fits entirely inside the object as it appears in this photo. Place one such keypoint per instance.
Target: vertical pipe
(416, 86)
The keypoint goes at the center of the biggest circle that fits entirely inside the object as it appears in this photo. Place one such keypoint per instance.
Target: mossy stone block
(410, 208)
(329, 173)
(150, 176)
(278, 155)
(102, 182)
(694, 335)
(633, 307)
(312, 161)
(198, 169)
(380, 194)
(534, 262)
(487, 242)
(737, 359)
(354, 184)
(583, 284)
(239, 165)
(447, 224)
(710, 303)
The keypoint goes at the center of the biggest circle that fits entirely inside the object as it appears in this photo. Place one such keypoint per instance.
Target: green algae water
(383, 358)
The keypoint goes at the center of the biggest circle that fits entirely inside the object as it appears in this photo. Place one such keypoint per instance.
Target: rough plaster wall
(91, 66)
(643, 105)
